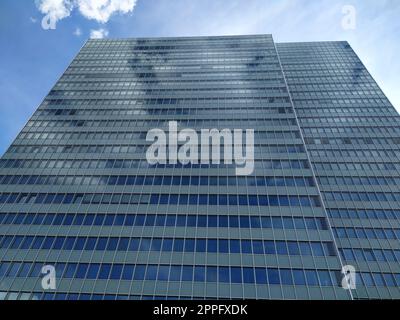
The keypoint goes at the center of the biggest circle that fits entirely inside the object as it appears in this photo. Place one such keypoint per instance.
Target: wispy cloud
(99, 33)
(98, 10)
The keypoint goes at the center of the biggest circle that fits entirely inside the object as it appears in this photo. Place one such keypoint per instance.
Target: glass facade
(352, 134)
(77, 193)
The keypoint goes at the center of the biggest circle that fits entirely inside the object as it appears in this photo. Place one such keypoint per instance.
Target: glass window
(70, 270)
(101, 244)
(378, 278)
(246, 246)
(281, 248)
(273, 276)
(151, 273)
(123, 244)
(324, 278)
(139, 272)
(261, 276)
(175, 273)
(299, 277)
(93, 270)
(127, 273)
(211, 245)
(269, 247)
(211, 274)
(317, 249)
(248, 275)
(367, 279)
(163, 273)
(236, 275)
(187, 273)
(286, 277)
(81, 271)
(201, 245)
(312, 279)
(199, 273)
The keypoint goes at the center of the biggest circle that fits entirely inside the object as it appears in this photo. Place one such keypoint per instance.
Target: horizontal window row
(341, 77)
(112, 135)
(72, 82)
(140, 68)
(367, 233)
(170, 64)
(250, 83)
(61, 296)
(259, 121)
(142, 164)
(226, 44)
(239, 275)
(272, 71)
(337, 102)
(359, 181)
(160, 199)
(307, 65)
(383, 120)
(165, 220)
(361, 196)
(292, 248)
(352, 141)
(206, 59)
(110, 92)
(163, 111)
(325, 75)
(236, 75)
(92, 45)
(123, 180)
(363, 129)
(187, 273)
(192, 101)
(334, 87)
(88, 60)
(124, 49)
(150, 47)
(321, 63)
(140, 149)
(335, 110)
(376, 214)
(210, 56)
(326, 93)
(375, 279)
(356, 166)
(356, 153)
(370, 255)
(189, 61)
(172, 44)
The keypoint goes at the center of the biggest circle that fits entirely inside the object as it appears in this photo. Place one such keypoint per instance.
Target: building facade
(352, 134)
(78, 194)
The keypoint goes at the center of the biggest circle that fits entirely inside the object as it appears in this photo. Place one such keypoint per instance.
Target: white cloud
(99, 10)
(55, 9)
(78, 32)
(99, 33)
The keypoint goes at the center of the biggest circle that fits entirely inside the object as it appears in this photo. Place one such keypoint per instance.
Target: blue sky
(32, 59)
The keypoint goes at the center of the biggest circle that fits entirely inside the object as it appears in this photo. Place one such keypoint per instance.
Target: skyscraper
(79, 197)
